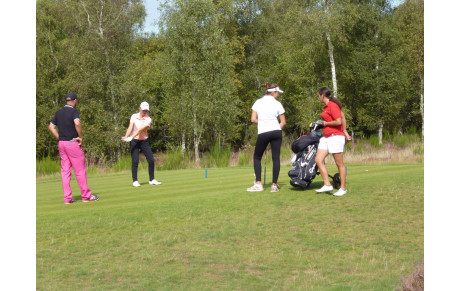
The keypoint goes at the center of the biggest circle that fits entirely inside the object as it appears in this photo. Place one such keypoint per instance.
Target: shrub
(419, 150)
(245, 156)
(124, 163)
(218, 156)
(404, 140)
(47, 165)
(173, 160)
(374, 141)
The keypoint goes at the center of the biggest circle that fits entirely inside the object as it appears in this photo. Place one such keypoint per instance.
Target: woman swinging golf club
(265, 113)
(136, 135)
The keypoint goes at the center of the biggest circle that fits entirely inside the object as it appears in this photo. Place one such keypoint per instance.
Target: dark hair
(269, 86)
(327, 93)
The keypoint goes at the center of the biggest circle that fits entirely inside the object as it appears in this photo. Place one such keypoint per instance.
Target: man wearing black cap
(70, 137)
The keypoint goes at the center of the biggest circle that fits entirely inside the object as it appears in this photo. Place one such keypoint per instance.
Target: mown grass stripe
(202, 234)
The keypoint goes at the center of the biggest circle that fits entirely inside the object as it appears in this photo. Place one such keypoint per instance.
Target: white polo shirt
(268, 109)
(138, 123)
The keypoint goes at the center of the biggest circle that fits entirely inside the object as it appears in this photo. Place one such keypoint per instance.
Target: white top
(138, 123)
(268, 109)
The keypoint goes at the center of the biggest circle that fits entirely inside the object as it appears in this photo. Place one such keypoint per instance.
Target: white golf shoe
(136, 184)
(325, 188)
(255, 188)
(154, 182)
(341, 192)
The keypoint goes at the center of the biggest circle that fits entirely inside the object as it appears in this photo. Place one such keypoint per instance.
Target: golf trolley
(304, 168)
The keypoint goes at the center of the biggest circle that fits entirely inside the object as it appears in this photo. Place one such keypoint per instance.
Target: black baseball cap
(71, 96)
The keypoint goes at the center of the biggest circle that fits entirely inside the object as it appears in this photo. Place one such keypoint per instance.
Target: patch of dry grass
(415, 282)
(386, 153)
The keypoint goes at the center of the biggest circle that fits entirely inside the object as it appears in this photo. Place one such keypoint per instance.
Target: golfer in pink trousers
(67, 120)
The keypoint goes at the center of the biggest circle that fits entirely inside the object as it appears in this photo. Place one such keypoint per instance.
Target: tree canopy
(206, 67)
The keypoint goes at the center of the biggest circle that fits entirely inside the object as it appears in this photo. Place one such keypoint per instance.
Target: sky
(151, 7)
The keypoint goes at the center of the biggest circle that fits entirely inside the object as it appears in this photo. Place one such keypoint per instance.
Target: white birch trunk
(381, 133)
(331, 59)
(196, 139)
(422, 105)
(183, 146)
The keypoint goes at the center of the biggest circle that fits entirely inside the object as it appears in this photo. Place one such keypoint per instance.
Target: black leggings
(143, 145)
(274, 138)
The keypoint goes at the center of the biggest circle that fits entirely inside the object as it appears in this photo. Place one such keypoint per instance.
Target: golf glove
(128, 139)
(320, 122)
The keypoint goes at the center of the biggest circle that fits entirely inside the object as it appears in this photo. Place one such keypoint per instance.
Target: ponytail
(327, 93)
(336, 101)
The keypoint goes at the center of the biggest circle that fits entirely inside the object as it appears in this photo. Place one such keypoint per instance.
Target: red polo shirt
(330, 113)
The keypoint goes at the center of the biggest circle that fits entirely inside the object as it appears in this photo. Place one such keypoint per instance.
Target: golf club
(265, 166)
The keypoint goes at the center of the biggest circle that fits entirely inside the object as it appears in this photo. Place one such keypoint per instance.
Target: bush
(419, 150)
(374, 141)
(245, 156)
(218, 157)
(124, 163)
(173, 160)
(403, 140)
(47, 165)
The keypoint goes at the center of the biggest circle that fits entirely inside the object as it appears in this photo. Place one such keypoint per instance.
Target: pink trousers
(72, 156)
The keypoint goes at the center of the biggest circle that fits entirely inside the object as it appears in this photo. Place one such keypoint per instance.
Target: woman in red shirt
(333, 140)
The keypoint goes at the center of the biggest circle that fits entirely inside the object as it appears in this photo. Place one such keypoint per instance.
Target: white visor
(276, 89)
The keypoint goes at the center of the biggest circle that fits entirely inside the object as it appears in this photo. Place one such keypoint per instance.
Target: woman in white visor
(265, 113)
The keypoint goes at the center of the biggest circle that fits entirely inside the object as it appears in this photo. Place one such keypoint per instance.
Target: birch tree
(199, 59)
(377, 76)
(409, 22)
(94, 47)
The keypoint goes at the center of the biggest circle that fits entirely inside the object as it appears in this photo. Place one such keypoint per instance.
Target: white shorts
(333, 144)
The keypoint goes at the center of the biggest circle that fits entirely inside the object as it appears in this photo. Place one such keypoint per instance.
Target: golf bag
(304, 168)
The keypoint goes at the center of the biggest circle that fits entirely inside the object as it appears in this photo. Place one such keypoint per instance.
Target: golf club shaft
(265, 167)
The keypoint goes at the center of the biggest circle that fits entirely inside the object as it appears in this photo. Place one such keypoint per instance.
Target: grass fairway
(193, 233)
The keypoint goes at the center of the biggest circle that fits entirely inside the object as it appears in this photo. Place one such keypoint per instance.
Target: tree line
(207, 65)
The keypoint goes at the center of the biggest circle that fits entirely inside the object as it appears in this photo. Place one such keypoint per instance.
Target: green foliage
(204, 70)
(47, 166)
(374, 141)
(218, 157)
(124, 164)
(419, 150)
(404, 140)
(245, 156)
(199, 59)
(174, 159)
